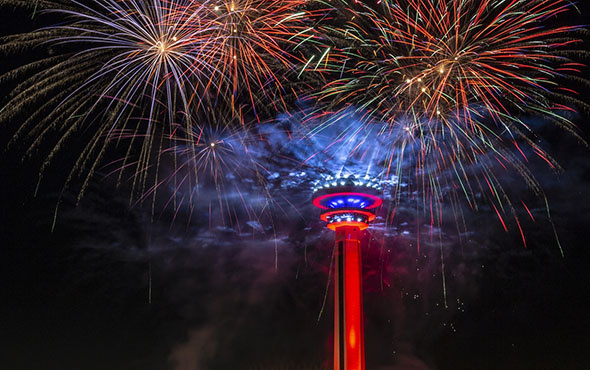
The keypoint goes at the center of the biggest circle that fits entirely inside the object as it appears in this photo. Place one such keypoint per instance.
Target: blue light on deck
(346, 203)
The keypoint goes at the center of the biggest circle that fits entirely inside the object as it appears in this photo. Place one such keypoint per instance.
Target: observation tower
(348, 206)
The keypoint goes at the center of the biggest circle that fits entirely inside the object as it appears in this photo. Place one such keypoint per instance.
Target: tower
(348, 206)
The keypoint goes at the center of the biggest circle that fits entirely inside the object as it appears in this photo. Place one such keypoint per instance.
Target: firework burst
(115, 66)
(435, 58)
(449, 83)
(253, 52)
(211, 170)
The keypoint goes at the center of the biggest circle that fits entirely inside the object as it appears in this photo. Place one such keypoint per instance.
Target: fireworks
(443, 86)
(447, 82)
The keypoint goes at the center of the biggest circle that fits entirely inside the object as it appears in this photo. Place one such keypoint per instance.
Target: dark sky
(110, 289)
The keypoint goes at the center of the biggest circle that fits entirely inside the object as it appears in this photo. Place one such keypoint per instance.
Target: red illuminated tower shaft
(349, 343)
(348, 206)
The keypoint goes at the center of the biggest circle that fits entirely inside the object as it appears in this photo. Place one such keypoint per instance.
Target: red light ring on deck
(376, 199)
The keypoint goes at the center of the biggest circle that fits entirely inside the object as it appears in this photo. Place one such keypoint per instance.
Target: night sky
(113, 287)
